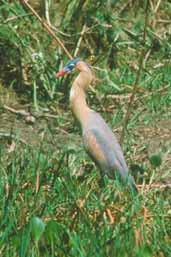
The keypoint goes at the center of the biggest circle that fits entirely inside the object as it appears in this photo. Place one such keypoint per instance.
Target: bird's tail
(128, 180)
(132, 184)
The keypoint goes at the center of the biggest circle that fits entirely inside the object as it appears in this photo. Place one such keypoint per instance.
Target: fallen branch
(26, 114)
(21, 112)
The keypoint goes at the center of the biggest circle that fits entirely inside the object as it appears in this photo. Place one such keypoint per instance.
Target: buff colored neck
(78, 97)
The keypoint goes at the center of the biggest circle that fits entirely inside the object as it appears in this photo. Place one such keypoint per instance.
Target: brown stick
(46, 26)
(112, 219)
(37, 186)
(157, 6)
(21, 112)
(80, 40)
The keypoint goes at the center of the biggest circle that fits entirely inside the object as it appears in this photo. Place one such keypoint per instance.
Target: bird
(99, 141)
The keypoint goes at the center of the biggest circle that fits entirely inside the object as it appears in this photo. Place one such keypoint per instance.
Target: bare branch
(48, 29)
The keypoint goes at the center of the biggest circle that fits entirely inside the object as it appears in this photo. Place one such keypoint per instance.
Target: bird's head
(68, 67)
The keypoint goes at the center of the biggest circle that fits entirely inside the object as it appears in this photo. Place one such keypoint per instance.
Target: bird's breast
(93, 147)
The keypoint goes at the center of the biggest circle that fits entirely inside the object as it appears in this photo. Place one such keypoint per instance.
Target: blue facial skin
(71, 64)
(67, 69)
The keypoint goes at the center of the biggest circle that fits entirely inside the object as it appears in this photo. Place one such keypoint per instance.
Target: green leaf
(37, 228)
(155, 160)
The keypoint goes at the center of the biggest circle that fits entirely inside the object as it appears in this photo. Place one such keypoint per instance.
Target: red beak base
(61, 73)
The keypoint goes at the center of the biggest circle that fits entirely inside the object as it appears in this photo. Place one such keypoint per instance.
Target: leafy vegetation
(51, 202)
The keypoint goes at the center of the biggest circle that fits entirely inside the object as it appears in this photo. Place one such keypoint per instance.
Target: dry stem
(47, 27)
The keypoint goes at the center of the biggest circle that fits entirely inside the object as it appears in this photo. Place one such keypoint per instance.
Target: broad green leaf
(37, 227)
(155, 160)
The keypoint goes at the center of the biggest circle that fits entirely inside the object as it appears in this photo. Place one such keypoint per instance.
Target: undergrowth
(47, 212)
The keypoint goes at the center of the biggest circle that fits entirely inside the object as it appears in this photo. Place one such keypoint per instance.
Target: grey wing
(105, 151)
(102, 145)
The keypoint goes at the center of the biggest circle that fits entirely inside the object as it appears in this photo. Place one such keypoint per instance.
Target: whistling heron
(99, 140)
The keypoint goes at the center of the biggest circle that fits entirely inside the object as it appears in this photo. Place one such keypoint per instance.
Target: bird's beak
(61, 73)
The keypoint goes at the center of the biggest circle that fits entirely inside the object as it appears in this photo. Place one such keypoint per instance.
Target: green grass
(74, 218)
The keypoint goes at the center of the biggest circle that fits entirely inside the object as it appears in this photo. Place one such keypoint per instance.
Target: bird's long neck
(78, 97)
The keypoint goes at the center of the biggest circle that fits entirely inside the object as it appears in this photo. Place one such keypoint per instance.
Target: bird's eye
(71, 66)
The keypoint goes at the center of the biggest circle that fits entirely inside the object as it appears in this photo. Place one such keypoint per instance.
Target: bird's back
(102, 145)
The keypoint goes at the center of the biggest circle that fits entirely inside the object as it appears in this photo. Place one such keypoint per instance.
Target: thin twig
(151, 5)
(146, 58)
(163, 216)
(21, 112)
(13, 18)
(80, 40)
(157, 6)
(115, 208)
(49, 22)
(163, 21)
(37, 186)
(47, 27)
(132, 97)
(25, 113)
(123, 97)
(47, 12)
(154, 186)
(112, 219)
